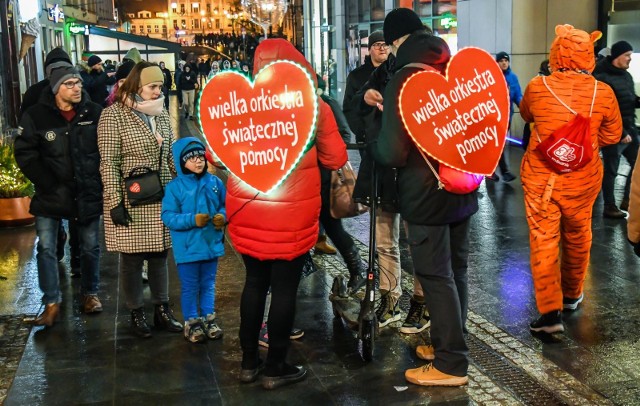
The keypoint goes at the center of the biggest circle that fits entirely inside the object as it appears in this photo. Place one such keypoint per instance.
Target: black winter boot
(164, 318)
(356, 270)
(139, 324)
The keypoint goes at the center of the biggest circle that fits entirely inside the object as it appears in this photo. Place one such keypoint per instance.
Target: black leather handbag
(143, 185)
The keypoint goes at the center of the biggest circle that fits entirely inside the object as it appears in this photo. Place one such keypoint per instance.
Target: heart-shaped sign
(260, 130)
(461, 119)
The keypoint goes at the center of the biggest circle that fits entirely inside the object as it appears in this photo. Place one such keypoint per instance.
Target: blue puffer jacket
(515, 92)
(185, 196)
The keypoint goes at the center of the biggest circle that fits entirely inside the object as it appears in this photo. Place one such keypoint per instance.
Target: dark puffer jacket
(421, 202)
(372, 117)
(621, 82)
(355, 80)
(61, 159)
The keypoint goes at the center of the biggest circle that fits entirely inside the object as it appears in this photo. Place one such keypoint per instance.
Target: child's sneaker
(194, 331)
(417, 319)
(211, 328)
(388, 311)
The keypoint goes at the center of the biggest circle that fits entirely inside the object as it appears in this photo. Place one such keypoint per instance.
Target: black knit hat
(502, 55)
(124, 69)
(57, 58)
(400, 22)
(620, 48)
(192, 149)
(93, 60)
(375, 36)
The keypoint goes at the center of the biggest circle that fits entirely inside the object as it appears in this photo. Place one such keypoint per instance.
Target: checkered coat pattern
(126, 142)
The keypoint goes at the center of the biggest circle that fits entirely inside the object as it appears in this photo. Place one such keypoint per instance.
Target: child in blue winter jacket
(193, 209)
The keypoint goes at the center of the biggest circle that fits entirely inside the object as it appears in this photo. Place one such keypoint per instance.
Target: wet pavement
(95, 360)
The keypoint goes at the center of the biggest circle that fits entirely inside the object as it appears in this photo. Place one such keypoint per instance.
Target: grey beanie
(62, 74)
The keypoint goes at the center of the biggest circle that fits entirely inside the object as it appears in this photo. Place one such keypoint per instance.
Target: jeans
(48, 277)
(440, 255)
(611, 159)
(131, 272)
(198, 284)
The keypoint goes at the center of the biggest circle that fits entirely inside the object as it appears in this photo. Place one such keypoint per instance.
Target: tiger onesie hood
(559, 205)
(572, 49)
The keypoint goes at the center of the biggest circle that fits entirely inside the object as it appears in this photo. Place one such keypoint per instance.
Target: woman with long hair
(134, 132)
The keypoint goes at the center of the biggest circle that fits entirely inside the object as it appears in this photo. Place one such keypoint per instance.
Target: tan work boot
(425, 352)
(428, 375)
(323, 247)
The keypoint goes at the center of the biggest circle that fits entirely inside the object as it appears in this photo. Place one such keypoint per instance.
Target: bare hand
(626, 139)
(373, 97)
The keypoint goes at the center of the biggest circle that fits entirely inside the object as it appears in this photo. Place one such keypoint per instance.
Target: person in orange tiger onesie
(559, 205)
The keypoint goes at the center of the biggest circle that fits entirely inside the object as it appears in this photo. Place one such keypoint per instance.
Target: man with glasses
(57, 150)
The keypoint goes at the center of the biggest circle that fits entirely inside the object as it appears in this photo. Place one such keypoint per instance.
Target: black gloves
(636, 249)
(119, 215)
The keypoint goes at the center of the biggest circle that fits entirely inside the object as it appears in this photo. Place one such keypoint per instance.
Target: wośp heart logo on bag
(260, 130)
(462, 119)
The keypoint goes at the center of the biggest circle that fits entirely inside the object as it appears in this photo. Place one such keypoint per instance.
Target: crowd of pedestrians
(91, 136)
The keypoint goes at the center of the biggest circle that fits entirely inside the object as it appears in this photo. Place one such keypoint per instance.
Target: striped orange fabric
(559, 206)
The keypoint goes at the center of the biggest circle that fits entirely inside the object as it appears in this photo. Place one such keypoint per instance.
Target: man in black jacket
(97, 80)
(57, 150)
(437, 220)
(368, 101)
(166, 86)
(613, 70)
(55, 59)
(378, 53)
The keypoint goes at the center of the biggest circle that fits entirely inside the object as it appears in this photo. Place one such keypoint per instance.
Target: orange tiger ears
(562, 30)
(572, 49)
(568, 29)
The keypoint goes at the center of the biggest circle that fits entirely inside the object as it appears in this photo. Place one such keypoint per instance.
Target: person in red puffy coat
(274, 234)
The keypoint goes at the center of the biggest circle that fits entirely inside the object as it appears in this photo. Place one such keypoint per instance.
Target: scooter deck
(346, 307)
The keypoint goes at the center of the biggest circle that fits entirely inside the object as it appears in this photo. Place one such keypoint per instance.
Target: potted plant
(15, 189)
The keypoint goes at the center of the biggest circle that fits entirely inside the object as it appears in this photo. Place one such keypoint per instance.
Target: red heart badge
(260, 130)
(461, 119)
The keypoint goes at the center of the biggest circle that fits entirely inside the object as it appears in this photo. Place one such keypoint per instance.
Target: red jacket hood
(277, 49)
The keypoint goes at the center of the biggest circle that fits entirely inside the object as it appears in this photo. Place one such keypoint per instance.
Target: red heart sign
(260, 130)
(461, 119)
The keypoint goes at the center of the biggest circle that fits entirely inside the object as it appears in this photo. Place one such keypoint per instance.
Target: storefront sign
(79, 29)
(260, 130)
(461, 119)
(55, 13)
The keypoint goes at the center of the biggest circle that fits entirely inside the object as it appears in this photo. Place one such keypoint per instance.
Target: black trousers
(283, 277)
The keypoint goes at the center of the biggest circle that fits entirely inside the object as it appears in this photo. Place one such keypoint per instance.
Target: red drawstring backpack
(569, 147)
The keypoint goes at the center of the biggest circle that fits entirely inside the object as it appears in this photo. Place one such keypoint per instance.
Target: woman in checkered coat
(135, 131)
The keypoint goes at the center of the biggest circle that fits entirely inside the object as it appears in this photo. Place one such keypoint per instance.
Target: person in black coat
(57, 150)
(437, 220)
(96, 80)
(188, 85)
(166, 86)
(55, 59)
(332, 226)
(613, 70)
(368, 102)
